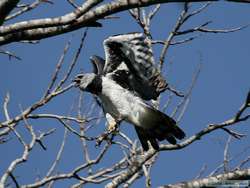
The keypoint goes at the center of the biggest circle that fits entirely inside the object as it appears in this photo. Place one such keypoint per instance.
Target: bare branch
(175, 42)
(10, 54)
(14, 180)
(81, 17)
(59, 154)
(242, 163)
(203, 169)
(243, 108)
(138, 164)
(74, 131)
(240, 1)
(226, 155)
(48, 22)
(215, 181)
(54, 116)
(186, 97)
(25, 9)
(59, 90)
(205, 30)
(47, 97)
(5, 106)
(153, 12)
(197, 11)
(171, 36)
(133, 179)
(217, 169)
(135, 163)
(12, 122)
(74, 60)
(58, 67)
(233, 133)
(123, 135)
(25, 155)
(72, 174)
(72, 3)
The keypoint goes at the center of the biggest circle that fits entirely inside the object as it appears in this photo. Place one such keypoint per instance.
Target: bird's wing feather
(131, 52)
(98, 64)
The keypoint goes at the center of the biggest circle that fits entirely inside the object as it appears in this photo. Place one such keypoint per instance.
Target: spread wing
(130, 61)
(98, 64)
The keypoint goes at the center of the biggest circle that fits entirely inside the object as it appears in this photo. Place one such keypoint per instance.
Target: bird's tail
(168, 130)
(159, 127)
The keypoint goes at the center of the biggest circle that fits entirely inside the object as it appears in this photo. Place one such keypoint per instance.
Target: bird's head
(84, 80)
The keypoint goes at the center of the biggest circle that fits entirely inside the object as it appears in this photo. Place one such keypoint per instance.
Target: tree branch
(217, 180)
(81, 17)
(25, 9)
(137, 164)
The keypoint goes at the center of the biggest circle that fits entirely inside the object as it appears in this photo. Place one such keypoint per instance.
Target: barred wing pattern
(129, 64)
(130, 55)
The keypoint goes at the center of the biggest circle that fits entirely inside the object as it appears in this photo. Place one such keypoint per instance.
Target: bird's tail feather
(144, 137)
(161, 127)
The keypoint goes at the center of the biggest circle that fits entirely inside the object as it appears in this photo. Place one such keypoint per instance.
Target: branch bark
(137, 163)
(82, 17)
(237, 176)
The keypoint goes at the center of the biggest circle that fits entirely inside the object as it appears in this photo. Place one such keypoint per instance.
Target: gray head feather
(83, 80)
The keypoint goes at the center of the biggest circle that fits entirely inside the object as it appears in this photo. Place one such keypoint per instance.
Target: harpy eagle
(123, 82)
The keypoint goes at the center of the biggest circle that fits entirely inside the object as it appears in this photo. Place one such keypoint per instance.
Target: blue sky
(220, 90)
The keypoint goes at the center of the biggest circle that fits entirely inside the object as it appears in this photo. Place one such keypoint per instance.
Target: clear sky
(219, 92)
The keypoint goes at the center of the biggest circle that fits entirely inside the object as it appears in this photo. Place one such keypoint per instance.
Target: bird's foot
(112, 129)
(100, 139)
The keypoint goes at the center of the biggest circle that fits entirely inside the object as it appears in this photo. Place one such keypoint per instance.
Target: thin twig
(74, 61)
(14, 180)
(205, 30)
(12, 122)
(242, 163)
(233, 133)
(54, 116)
(58, 67)
(188, 94)
(25, 8)
(171, 36)
(226, 155)
(10, 54)
(72, 3)
(59, 154)
(202, 171)
(5, 106)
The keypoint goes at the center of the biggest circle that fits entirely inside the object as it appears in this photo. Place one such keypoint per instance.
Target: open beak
(76, 81)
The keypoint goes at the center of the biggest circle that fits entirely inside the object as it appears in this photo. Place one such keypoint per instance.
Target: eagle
(124, 83)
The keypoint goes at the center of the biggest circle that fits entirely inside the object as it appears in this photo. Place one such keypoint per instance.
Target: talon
(98, 143)
(112, 127)
(111, 131)
(100, 139)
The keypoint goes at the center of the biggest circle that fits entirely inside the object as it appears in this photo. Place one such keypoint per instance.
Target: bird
(124, 83)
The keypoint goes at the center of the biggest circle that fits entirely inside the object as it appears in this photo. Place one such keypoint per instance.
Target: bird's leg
(112, 124)
(111, 129)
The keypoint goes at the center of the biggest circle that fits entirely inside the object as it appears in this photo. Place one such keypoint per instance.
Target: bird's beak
(76, 81)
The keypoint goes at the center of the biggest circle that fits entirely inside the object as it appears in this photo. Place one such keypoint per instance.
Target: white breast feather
(121, 103)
